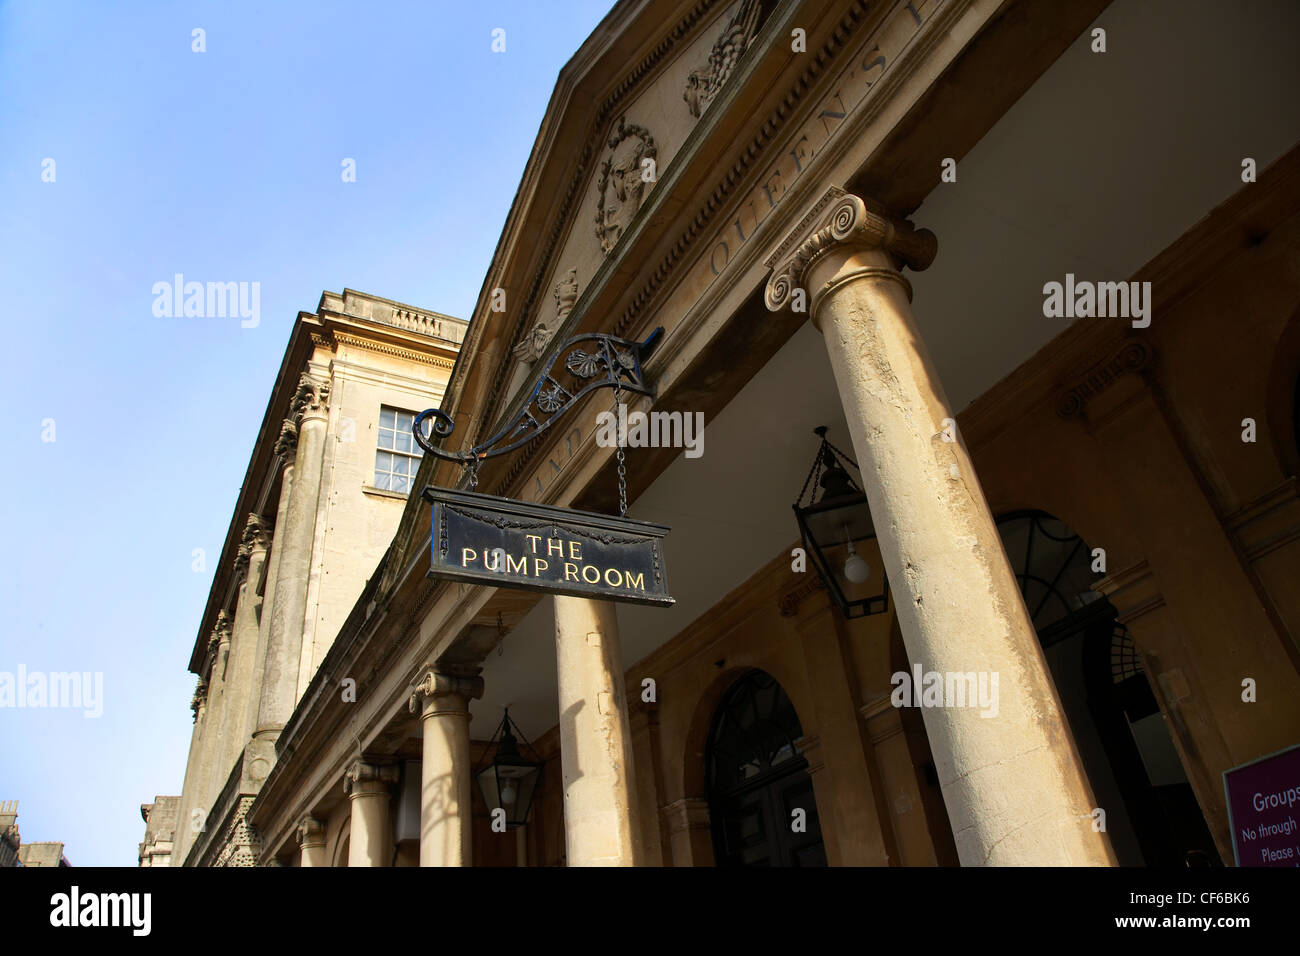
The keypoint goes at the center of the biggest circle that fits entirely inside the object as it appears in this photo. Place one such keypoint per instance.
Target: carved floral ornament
(704, 84)
(842, 219)
(620, 188)
(311, 397)
(255, 539)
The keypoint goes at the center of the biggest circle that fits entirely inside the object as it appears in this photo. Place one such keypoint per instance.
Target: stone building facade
(159, 831)
(861, 216)
(326, 484)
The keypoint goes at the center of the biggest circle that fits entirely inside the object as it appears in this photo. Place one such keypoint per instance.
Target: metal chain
(472, 467)
(618, 433)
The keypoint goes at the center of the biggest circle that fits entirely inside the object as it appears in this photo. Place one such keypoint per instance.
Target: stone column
(311, 840)
(288, 612)
(188, 823)
(595, 739)
(442, 700)
(214, 776)
(249, 562)
(1013, 784)
(370, 842)
(286, 450)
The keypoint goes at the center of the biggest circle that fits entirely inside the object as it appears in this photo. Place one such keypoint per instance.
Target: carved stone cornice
(310, 832)
(1134, 356)
(411, 355)
(437, 685)
(839, 219)
(311, 398)
(362, 777)
(287, 444)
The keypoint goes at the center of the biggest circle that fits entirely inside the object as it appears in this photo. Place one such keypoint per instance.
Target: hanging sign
(499, 542)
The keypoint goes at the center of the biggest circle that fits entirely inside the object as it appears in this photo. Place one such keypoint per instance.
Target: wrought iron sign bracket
(603, 361)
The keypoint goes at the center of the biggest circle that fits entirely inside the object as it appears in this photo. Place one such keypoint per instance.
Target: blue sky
(223, 166)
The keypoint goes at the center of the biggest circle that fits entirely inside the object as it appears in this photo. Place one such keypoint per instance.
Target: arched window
(1052, 564)
(760, 794)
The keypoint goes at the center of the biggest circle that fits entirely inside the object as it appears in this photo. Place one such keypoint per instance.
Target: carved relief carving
(566, 293)
(534, 343)
(1132, 357)
(620, 188)
(704, 84)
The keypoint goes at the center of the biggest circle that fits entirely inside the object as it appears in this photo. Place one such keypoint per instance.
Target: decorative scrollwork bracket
(603, 361)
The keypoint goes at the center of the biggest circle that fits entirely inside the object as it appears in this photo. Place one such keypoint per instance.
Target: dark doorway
(1137, 778)
(758, 780)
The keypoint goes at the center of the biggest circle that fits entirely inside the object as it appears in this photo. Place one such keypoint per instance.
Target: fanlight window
(755, 731)
(1053, 566)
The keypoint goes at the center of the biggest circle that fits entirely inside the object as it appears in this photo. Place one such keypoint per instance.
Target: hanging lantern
(837, 531)
(508, 781)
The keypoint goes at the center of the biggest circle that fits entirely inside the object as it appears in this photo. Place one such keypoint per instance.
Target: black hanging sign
(499, 542)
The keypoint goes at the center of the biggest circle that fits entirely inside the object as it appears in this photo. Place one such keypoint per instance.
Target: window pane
(385, 417)
(385, 438)
(403, 441)
(400, 483)
(383, 461)
(381, 481)
(405, 420)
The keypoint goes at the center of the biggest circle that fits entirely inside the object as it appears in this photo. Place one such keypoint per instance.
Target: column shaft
(370, 840)
(445, 771)
(243, 648)
(595, 739)
(284, 644)
(1013, 783)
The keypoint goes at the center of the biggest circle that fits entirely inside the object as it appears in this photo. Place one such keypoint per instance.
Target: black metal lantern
(836, 528)
(508, 781)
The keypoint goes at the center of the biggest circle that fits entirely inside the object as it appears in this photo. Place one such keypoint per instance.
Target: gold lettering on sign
(530, 566)
(864, 70)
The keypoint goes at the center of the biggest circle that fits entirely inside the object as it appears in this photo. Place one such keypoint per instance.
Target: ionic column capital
(440, 692)
(310, 832)
(362, 779)
(842, 221)
(311, 399)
